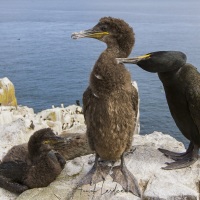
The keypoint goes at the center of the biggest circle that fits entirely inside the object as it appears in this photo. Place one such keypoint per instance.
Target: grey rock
(145, 163)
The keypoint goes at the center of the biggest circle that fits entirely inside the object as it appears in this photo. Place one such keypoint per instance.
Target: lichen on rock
(7, 93)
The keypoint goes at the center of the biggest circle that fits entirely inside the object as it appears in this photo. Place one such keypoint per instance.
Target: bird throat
(118, 51)
(106, 76)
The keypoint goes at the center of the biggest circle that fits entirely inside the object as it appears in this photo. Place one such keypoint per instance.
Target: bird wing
(18, 152)
(135, 97)
(135, 107)
(14, 170)
(86, 100)
(193, 100)
(87, 97)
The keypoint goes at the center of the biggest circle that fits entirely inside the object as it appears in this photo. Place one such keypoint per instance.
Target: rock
(145, 163)
(61, 118)
(7, 93)
(167, 189)
(9, 114)
(6, 195)
(12, 134)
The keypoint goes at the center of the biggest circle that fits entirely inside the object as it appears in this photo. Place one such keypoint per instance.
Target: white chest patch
(95, 95)
(98, 76)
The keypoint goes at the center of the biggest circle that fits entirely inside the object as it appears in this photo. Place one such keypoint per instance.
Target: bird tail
(11, 176)
(13, 169)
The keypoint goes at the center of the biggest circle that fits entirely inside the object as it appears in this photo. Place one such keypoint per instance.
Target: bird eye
(104, 28)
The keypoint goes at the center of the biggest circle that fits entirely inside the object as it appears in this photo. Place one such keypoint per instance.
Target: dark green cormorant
(181, 82)
(110, 103)
(34, 166)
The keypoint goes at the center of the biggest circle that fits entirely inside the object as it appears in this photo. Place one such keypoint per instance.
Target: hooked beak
(134, 60)
(91, 33)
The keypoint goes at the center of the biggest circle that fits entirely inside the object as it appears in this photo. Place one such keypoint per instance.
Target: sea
(48, 68)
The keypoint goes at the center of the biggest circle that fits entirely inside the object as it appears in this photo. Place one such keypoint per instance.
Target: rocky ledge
(145, 162)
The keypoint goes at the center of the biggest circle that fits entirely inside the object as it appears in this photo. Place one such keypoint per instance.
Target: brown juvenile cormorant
(181, 83)
(110, 103)
(76, 145)
(38, 165)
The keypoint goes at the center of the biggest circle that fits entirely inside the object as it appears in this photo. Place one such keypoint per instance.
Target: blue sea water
(48, 68)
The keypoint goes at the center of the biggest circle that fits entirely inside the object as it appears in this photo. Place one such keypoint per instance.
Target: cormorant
(110, 103)
(77, 102)
(35, 165)
(76, 145)
(181, 83)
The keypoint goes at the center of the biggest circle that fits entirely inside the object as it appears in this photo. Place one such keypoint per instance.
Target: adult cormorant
(181, 82)
(110, 103)
(38, 165)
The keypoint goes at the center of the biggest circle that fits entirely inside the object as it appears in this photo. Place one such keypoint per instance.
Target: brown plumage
(33, 165)
(110, 103)
(76, 145)
(110, 123)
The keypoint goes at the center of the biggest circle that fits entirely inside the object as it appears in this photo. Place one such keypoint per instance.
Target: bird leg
(97, 174)
(12, 186)
(175, 155)
(125, 178)
(130, 151)
(186, 161)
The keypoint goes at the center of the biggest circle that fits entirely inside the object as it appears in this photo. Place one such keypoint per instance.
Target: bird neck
(168, 78)
(108, 76)
(119, 49)
(34, 150)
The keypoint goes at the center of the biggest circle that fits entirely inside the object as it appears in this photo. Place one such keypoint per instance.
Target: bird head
(160, 61)
(43, 140)
(114, 32)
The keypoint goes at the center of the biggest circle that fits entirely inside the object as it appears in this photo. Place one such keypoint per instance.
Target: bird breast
(110, 125)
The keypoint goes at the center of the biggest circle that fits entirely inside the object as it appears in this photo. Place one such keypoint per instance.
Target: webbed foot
(171, 153)
(175, 155)
(186, 156)
(184, 161)
(97, 174)
(125, 178)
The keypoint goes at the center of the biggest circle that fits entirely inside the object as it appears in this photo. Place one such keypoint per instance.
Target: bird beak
(91, 33)
(134, 60)
(54, 141)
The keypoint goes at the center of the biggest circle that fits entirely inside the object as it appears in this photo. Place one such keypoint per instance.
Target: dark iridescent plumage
(181, 82)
